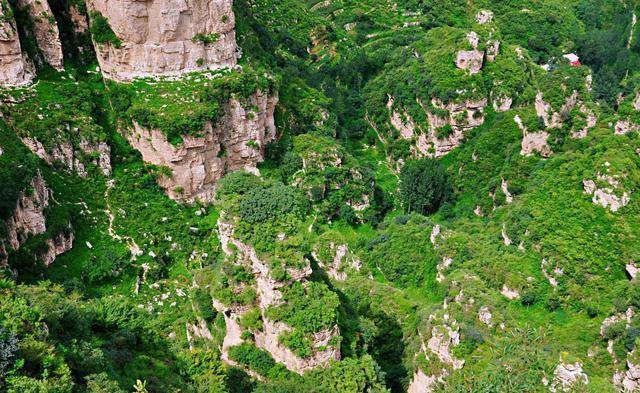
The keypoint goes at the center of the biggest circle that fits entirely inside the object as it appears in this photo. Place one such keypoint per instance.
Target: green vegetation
(101, 31)
(424, 186)
(351, 241)
(183, 107)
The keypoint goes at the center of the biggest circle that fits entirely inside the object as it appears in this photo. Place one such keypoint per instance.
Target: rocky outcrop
(461, 117)
(99, 153)
(269, 294)
(504, 186)
(509, 293)
(473, 59)
(606, 196)
(15, 69)
(590, 121)
(441, 267)
(551, 275)
(533, 141)
(443, 339)
(551, 118)
(198, 330)
(28, 219)
(57, 245)
(423, 383)
(502, 103)
(628, 380)
(166, 37)
(483, 17)
(567, 375)
(45, 30)
(623, 127)
(241, 133)
(485, 316)
(341, 261)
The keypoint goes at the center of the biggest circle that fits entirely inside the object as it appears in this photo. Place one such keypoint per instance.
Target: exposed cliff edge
(15, 68)
(29, 219)
(269, 293)
(45, 30)
(165, 37)
(98, 153)
(236, 141)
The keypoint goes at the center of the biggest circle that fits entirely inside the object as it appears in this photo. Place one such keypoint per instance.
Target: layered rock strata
(236, 141)
(165, 37)
(45, 30)
(28, 219)
(15, 69)
(268, 295)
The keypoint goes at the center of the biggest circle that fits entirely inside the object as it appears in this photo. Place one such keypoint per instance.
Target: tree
(424, 186)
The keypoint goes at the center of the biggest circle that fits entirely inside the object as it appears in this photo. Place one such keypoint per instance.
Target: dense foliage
(411, 216)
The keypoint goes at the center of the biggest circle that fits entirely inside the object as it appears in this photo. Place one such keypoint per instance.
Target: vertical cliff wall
(15, 69)
(165, 37)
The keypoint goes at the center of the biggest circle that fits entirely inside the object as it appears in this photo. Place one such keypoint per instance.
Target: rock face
(533, 141)
(629, 380)
(336, 268)
(45, 29)
(269, 294)
(471, 60)
(15, 69)
(423, 383)
(461, 117)
(566, 376)
(166, 37)
(606, 196)
(623, 127)
(72, 159)
(28, 219)
(198, 163)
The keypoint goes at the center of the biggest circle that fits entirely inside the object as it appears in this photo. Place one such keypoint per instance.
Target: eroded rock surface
(15, 69)
(45, 29)
(242, 133)
(567, 375)
(461, 117)
(166, 37)
(29, 219)
(97, 152)
(269, 294)
(609, 195)
(533, 141)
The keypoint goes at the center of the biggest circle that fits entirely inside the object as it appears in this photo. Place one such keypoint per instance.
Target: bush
(101, 31)
(258, 360)
(263, 204)
(424, 186)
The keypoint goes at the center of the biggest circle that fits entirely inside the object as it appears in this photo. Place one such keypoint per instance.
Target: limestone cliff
(236, 141)
(28, 219)
(15, 69)
(269, 294)
(447, 124)
(45, 30)
(165, 37)
(98, 153)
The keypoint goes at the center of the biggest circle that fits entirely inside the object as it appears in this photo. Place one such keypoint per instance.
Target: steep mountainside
(319, 196)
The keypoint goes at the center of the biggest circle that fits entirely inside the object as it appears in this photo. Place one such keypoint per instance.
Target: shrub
(424, 186)
(101, 30)
(260, 205)
(258, 360)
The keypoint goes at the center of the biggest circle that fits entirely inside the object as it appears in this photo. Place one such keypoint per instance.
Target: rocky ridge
(15, 68)
(268, 295)
(165, 37)
(236, 141)
(29, 219)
